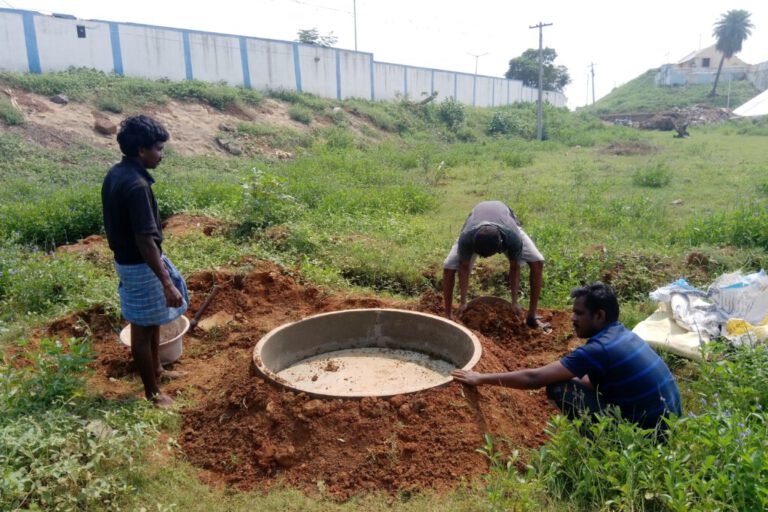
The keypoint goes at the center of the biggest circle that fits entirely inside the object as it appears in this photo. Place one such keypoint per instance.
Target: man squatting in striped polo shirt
(152, 291)
(615, 367)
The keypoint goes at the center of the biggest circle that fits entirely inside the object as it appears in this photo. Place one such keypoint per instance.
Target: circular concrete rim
(272, 376)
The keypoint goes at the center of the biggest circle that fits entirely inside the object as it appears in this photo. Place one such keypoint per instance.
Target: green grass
(642, 95)
(375, 202)
(115, 93)
(10, 115)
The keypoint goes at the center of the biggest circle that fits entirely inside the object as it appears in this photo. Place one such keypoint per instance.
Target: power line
(9, 5)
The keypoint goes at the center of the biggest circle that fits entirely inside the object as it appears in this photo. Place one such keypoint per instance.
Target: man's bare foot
(171, 374)
(162, 401)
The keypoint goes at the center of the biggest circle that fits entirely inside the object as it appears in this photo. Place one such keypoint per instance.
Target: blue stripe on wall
(432, 87)
(474, 90)
(338, 75)
(455, 86)
(297, 66)
(187, 55)
(507, 92)
(30, 37)
(493, 93)
(117, 52)
(405, 80)
(244, 62)
(373, 78)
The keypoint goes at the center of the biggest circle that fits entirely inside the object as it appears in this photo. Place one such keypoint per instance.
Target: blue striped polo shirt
(626, 372)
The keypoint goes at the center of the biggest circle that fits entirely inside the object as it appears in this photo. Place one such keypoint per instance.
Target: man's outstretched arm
(522, 379)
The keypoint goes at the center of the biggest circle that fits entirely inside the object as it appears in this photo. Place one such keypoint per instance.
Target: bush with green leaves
(452, 113)
(653, 176)
(59, 449)
(501, 124)
(10, 115)
(713, 457)
(34, 283)
(64, 216)
(743, 226)
(300, 113)
(267, 202)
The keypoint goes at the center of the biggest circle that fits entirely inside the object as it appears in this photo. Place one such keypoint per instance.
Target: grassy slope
(642, 95)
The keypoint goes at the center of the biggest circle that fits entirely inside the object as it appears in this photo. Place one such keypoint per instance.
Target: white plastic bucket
(171, 339)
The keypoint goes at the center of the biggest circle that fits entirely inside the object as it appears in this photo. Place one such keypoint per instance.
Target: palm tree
(731, 30)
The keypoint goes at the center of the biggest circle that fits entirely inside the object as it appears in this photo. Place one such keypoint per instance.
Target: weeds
(300, 113)
(58, 449)
(712, 458)
(654, 176)
(9, 114)
(452, 113)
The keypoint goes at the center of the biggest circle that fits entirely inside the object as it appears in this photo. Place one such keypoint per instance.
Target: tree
(526, 69)
(731, 30)
(312, 36)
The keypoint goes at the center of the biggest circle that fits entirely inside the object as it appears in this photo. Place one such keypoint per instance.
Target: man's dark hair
(599, 296)
(140, 132)
(487, 241)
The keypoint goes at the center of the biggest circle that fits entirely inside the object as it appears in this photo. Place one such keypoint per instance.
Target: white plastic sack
(695, 314)
(741, 296)
(681, 286)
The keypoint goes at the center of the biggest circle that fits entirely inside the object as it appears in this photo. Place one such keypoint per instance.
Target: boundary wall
(40, 43)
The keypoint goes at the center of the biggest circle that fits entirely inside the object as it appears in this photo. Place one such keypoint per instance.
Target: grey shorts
(530, 253)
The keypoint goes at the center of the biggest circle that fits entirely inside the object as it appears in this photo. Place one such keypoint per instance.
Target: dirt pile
(673, 119)
(245, 432)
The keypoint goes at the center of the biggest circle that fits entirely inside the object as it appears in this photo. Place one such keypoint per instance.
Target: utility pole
(539, 109)
(592, 66)
(354, 16)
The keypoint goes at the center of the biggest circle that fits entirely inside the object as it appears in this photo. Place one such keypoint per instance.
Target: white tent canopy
(757, 106)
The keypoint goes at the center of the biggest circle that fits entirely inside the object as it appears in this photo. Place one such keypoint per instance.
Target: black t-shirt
(129, 208)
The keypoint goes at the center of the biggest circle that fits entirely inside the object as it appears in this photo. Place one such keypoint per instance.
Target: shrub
(109, 103)
(452, 113)
(501, 124)
(745, 226)
(267, 202)
(57, 451)
(712, 459)
(219, 96)
(516, 160)
(300, 113)
(9, 114)
(47, 375)
(62, 216)
(654, 176)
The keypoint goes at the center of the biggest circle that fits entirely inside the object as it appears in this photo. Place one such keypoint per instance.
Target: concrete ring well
(365, 352)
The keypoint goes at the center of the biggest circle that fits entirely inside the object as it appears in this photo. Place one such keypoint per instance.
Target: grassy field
(377, 209)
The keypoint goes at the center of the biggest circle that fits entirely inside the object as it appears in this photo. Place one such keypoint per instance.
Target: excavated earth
(242, 431)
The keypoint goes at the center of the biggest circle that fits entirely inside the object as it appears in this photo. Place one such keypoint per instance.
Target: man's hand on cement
(172, 296)
(467, 377)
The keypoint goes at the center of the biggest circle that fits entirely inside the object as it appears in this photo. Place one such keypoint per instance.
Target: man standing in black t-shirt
(152, 291)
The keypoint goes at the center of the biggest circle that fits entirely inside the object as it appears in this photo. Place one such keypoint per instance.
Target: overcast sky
(622, 39)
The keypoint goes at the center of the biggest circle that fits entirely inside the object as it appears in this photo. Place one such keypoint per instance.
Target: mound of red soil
(246, 432)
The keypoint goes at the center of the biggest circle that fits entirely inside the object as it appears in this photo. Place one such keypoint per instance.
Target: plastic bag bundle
(741, 296)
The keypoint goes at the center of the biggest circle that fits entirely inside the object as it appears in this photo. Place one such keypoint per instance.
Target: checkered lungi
(142, 301)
